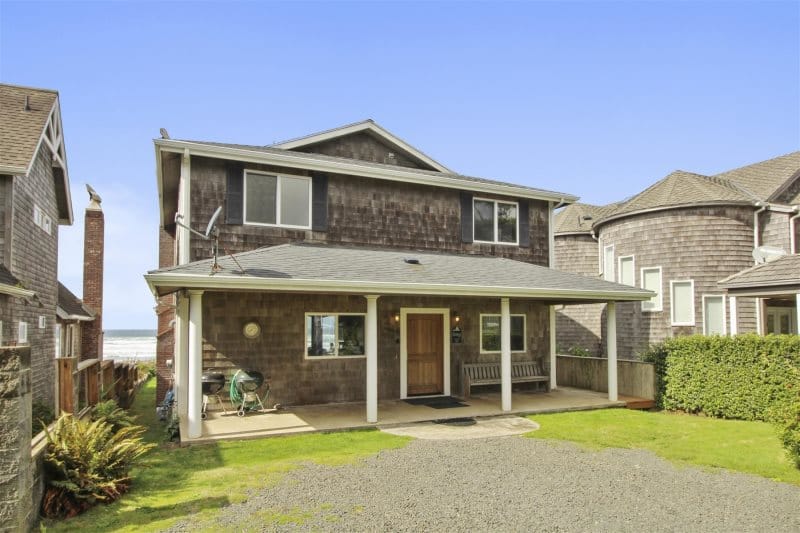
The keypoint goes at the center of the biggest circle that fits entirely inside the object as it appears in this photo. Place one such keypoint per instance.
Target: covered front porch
(344, 416)
(418, 317)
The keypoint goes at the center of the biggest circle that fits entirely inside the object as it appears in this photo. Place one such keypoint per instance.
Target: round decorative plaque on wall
(251, 330)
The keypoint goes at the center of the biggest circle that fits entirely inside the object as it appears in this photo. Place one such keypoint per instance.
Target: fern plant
(88, 463)
(113, 414)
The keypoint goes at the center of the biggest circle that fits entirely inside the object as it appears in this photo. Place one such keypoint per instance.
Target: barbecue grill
(212, 383)
(243, 392)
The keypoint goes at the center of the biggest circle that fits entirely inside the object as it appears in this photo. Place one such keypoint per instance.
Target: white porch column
(797, 313)
(505, 352)
(734, 329)
(759, 324)
(372, 358)
(611, 348)
(553, 353)
(195, 373)
(181, 363)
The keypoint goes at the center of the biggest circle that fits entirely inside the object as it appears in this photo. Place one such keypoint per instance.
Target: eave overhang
(167, 282)
(19, 292)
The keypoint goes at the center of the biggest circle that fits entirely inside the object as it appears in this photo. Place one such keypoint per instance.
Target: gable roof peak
(367, 125)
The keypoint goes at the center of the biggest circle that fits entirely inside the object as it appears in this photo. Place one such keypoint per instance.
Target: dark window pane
(484, 220)
(351, 335)
(507, 222)
(490, 333)
(294, 201)
(261, 198)
(320, 335)
(517, 333)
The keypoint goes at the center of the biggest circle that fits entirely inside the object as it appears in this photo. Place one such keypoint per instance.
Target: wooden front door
(425, 343)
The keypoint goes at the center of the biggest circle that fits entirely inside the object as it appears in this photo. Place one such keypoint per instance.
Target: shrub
(86, 463)
(42, 416)
(113, 414)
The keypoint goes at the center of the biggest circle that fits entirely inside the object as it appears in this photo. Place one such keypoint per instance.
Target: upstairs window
(682, 295)
(608, 263)
(495, 221)
(627, 273)
(651, 281)
(275, 200)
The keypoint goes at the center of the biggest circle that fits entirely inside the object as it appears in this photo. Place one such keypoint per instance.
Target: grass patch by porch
(172, 484)
(743, 446)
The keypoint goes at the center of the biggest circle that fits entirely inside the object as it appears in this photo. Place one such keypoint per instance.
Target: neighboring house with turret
(679, 238)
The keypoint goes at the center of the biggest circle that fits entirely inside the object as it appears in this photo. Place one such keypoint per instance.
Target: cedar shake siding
(295, 380)
(363, 211)
(33, 258)
(704, 244)
(578, 326)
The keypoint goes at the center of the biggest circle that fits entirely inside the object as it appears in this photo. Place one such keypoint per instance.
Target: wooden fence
(634, 378)
(82, 383)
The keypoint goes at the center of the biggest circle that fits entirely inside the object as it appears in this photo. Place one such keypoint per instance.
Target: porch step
(640, 403)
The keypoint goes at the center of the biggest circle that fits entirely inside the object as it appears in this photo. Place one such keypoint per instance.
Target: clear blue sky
(595, 99)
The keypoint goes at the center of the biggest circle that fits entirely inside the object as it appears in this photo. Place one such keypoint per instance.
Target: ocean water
(129, 344)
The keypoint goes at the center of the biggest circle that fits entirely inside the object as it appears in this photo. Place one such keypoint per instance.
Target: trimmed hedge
(748, 377)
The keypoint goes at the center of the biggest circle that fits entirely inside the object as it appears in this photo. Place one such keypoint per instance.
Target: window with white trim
(335, 335)
(608, 263)
(651, 281)
(682, 302)
(490, 333)
(495, 221)
(713, 314)
(22, 333)
(57, 338)
(277, 200)
(627, 273)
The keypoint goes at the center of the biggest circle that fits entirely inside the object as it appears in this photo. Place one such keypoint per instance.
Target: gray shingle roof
(572, 219)
(20, 130)
(372, 269)
(782, 271)
(370, 164)
(766, 178)
(71, 305)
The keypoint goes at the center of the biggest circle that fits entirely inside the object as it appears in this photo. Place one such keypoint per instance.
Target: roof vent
(411, 260)
(27, 103)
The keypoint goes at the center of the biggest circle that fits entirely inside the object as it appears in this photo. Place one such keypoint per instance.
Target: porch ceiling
(351, 270)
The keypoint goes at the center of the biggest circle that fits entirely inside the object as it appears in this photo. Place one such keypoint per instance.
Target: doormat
(464, 421)
(439, 402)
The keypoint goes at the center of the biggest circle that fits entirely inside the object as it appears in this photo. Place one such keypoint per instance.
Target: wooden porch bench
(489, 374)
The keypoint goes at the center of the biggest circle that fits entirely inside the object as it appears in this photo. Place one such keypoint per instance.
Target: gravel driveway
(515, 484)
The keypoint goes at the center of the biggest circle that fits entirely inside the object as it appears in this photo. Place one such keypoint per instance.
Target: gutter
(19, 292)
(196, 281)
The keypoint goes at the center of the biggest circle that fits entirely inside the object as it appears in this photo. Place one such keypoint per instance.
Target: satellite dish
(213, 222)
(765, 254)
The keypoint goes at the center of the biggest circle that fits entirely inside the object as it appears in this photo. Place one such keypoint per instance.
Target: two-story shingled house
(34, 200)
(362, 269)
(679, 238)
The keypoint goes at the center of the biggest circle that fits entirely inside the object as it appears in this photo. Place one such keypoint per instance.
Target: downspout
(599, 253)
(551, 238)
(793, 230)
(756, 232)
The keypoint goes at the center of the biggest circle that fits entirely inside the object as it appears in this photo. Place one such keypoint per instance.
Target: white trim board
(404, 312)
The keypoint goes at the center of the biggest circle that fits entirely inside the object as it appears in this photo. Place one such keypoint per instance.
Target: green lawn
(174, 483)
(751, 447)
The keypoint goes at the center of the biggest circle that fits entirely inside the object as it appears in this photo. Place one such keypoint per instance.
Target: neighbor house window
(713, 315)
(274, 200)
(627, 274)
(57, 338)
(682, 296)
(490, 333)
(495, 221)
(22, 333)
(334, 335)
(608, 263)
(651, 281)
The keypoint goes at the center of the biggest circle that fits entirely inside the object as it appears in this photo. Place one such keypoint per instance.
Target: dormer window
(277, 200)
(495, 221)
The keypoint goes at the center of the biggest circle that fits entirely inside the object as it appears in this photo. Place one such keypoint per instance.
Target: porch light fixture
(456, 317)
(397, 317)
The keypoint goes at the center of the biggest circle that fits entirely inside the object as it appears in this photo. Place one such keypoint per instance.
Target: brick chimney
(93, 244)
